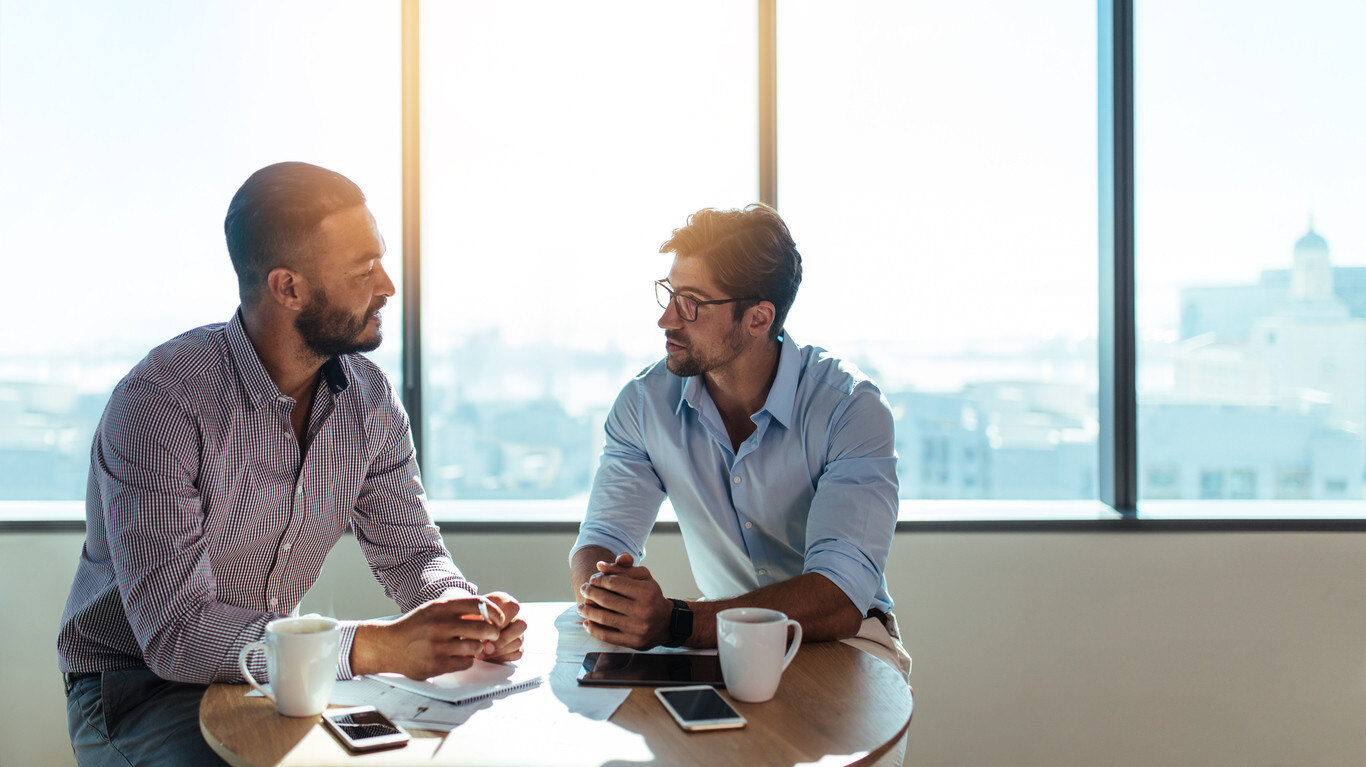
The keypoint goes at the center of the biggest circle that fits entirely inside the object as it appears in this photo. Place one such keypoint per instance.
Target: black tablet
(617, 669)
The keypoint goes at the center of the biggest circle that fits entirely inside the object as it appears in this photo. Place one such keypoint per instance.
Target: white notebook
(481, 681)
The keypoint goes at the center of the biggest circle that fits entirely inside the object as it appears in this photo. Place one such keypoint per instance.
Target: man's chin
(369, 343)
(683, 368)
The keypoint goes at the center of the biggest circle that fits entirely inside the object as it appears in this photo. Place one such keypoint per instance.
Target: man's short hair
(274, 215)
(749, 252)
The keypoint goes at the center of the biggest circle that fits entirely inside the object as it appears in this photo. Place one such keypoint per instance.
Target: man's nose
(670, 320)
(384, 286)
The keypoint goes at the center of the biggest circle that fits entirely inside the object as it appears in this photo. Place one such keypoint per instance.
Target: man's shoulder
(653, 380)
(367, 381)
(178, 366)
(823, 368)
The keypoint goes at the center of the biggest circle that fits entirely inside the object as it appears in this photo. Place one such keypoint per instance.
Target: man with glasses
(778, 459)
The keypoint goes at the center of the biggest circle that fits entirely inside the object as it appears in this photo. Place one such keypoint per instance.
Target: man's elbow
(162, 659)
(847, 621)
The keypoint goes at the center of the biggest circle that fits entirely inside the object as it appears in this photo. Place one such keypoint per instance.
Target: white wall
(1055, 650)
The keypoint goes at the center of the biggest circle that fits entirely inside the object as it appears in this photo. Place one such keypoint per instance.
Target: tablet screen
(633, 668)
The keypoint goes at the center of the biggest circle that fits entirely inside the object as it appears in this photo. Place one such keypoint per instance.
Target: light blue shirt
(812, 490)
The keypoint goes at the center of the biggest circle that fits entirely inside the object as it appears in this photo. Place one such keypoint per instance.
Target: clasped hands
(442, 636)
(623, 604)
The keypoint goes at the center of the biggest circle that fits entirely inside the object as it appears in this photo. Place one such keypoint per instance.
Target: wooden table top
(836, 706)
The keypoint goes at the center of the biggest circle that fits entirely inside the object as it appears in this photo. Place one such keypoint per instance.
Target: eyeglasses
(687, 305)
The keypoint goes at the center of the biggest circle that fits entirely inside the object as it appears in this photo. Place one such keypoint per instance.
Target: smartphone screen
(365, 724)
(700, 708)
(365, 728)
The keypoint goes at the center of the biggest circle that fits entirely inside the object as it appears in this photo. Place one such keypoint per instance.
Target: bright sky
(938, 159)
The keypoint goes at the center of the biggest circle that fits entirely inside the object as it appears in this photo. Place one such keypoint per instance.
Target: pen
(484, 611)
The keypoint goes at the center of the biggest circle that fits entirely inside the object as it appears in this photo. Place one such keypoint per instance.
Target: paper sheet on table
(575, 642)
(481, 681)
(596, 703)
(405, 708)
(559, 739)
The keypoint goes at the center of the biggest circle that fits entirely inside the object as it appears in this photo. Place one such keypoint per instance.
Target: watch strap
(680, 624)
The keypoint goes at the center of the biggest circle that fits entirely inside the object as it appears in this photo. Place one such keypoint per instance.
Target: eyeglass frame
(674, 296)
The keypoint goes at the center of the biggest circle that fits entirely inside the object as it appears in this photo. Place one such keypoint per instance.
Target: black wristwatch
(680, 624)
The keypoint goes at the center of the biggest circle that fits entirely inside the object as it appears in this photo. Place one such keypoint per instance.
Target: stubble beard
(328, 331)
(692, 365)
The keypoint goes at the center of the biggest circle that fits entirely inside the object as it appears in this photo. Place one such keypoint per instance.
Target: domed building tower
(1311, 279)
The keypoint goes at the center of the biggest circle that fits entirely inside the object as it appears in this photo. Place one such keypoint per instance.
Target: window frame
(1117, 508)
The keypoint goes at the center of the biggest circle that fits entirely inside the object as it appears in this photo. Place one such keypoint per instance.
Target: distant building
(1242, 452)
(1228, 312)
(996, 440)
(1306, 344)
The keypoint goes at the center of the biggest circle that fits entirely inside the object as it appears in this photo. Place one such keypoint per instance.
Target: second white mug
(301, 661)
(752, 643)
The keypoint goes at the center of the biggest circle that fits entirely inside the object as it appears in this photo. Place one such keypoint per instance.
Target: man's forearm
(813, 600)
(583, 565)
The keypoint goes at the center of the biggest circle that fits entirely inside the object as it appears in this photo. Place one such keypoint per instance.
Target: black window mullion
(1118, 444)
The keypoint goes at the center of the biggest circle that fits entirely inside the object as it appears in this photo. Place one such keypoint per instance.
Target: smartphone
(699, 707)
(634, 668)
(364, 728)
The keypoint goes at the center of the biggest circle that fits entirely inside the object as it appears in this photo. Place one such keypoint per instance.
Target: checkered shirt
(204, 522)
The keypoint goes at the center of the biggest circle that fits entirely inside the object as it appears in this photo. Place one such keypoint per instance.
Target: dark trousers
(134, 717)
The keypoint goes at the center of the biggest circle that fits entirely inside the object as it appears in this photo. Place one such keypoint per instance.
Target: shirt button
(748, 525)
(736, 480)
(299, 490)
(274, 602)
(761, 572)
(286, 547)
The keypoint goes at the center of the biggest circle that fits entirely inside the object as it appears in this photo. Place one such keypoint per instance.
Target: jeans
(134, 717)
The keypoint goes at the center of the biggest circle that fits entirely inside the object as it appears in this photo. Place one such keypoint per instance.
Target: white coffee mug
(301, 660)
(752, 643)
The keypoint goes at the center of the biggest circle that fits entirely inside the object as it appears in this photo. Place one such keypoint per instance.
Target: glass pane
(1251, 252)
(562, 143)
(937, 168)
(127, 129)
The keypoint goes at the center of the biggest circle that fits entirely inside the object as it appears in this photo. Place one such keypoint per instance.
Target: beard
(329, 331)
(693, 363)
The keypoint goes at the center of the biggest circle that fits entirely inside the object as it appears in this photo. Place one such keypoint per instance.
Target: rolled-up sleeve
(154, 522)
(627, 491)
(395, 529)
(854, 510)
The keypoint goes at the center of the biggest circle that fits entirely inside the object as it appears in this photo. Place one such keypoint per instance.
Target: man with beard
(226, 466)
(777, 458)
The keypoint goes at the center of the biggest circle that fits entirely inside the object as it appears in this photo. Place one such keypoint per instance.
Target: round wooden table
(836, 706)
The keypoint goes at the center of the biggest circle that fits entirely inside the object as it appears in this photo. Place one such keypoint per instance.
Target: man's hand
(624, 605)
(508, 645)
(441, 636)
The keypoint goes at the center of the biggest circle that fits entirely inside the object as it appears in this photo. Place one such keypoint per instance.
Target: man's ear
(286, 288)
(759, 318)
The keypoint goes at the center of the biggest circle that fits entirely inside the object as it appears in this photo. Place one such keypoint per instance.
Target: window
(562, 144)
(937, 166)
(1250, 291)
(1211, 484)
(1242, 484)
(127, 131)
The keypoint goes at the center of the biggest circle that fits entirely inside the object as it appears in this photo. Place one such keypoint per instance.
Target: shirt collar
(782, 395)
(256, 382)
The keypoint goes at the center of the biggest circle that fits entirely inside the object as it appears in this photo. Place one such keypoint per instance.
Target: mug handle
(246, 673)
(796, 642)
